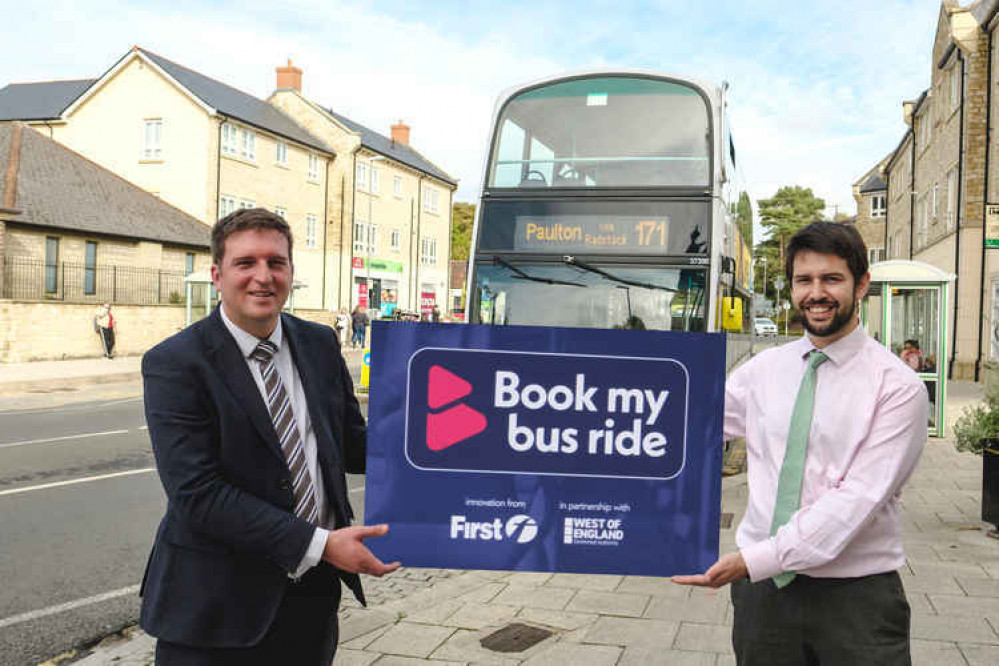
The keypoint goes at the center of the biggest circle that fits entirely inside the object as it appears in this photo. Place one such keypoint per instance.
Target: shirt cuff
(313, 553)
(761, 560)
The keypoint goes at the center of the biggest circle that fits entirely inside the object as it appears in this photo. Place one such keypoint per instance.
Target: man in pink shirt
(834, 425)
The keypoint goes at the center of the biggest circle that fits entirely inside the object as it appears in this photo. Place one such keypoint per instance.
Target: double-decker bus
(609, 201)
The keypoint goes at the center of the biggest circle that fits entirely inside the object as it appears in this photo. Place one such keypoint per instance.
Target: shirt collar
(840, 351)
(247, 342)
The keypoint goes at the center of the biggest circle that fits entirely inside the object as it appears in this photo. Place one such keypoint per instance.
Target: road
(79, 505)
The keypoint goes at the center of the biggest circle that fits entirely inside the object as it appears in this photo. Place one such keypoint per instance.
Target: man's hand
(730, 567)
(345, 551)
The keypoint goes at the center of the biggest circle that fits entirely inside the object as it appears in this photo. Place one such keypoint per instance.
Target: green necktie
(793, 469)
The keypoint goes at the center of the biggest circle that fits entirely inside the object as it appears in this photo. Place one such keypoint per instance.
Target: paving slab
(363, 621)
(609, 603)
(464, 646)
(704, 638)
(527, 578)
(979, 587)
(480, 616)
(703, 609)
(964, 606)
(347, 657)
(948, 628)
(632, 632)
(658, 657)
(573, 654)
(557, 619)
(936, 653)
(980, 655)
(392, 660)
(657, 587)
(585, 582)
(552, 598)
(411, 640)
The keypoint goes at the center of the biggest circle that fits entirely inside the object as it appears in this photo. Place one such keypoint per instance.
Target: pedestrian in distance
(104, 326)
(253, 422)
(834, 425)
(342, 323)
(359, 322)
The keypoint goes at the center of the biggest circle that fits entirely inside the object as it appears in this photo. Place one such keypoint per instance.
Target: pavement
(442, 617)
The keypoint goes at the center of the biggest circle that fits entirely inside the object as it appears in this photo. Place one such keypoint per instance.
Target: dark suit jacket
(223, 551)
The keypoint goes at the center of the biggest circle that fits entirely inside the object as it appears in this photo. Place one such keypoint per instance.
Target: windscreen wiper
(524, 276)
(572, 261)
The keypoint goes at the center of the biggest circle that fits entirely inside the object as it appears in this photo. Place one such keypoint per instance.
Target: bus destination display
(633, 234)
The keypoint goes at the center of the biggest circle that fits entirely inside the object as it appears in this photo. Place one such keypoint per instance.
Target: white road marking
(50, 440)
(71, 482)
(70, 605)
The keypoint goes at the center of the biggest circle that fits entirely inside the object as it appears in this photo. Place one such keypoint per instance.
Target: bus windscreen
(607, 132)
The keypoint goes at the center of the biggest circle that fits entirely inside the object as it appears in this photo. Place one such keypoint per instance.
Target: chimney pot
(289, 77)
(400, 133)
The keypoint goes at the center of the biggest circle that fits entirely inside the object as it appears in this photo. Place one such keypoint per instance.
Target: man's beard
(841, 317)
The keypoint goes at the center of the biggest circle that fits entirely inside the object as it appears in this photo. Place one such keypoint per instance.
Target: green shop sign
(383, 265)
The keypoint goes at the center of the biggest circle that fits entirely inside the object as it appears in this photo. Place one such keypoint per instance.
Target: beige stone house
(393, 204)
(209, 148)
(935, 199)
(72, 235)
(871, 194)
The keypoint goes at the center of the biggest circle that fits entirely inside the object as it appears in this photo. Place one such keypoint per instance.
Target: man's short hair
(841, 240)
(244, 220)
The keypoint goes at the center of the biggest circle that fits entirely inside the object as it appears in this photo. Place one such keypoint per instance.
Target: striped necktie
(283, 418)
(793, 470)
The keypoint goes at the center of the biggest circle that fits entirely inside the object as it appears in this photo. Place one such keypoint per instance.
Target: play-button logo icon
(454, 424)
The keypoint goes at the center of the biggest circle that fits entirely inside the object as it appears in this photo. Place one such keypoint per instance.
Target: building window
(226, 206)
(90, 268)
(248, 148)
(281, 153)
(373, 238)
(397, 187)
(922, 210)
(51, 265)
(875, 254)
(281, 211)
(313, 167)
(152, 146)
(362, 176)
(230, 140)
(878, 205)
(310, 230)
(396, 238)
(431, 200)
(428, 251)
(936, 196)
(247, 203)
(188, 263)
(359, 231)
(951, 197)
(375, 185)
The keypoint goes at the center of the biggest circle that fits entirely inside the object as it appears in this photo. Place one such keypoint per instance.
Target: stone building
(72, 235)
(208, 149)
(935, 180)
(871, 194)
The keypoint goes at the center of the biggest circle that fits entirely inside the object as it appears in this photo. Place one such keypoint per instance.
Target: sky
(816, 88)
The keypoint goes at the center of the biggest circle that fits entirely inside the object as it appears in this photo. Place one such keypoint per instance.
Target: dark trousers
(304, 631)
(822, 622)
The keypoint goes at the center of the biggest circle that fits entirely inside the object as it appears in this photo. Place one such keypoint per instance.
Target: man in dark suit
(253, 422)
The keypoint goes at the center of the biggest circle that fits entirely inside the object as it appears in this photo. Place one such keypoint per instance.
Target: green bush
(175, 298)
(978, 424)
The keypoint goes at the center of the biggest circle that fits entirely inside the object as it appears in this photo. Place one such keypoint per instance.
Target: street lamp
(367, 239)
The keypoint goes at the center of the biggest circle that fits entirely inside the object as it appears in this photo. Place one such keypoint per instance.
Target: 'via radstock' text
(633, 440)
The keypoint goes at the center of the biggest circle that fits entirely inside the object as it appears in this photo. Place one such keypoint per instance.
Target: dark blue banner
(545, 449)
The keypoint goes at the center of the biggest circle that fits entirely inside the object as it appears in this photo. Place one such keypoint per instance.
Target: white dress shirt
(296, 394)
(868, 431)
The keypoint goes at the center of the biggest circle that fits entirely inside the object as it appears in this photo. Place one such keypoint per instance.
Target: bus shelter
(906, 309)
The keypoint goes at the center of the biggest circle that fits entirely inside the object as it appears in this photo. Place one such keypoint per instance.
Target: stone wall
(57, 331)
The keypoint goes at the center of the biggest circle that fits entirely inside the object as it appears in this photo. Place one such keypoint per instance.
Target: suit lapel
(225, 356)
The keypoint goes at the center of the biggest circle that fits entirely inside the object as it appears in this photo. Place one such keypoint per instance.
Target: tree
(462, 218)
(782, 215)
(744, 218)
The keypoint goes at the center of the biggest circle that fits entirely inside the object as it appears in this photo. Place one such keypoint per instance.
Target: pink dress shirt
(868, 431)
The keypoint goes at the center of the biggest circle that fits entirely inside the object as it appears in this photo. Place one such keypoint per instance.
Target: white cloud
(815, 89)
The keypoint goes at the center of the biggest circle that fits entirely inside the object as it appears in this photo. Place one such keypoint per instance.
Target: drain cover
(514, 637)
(726, 520)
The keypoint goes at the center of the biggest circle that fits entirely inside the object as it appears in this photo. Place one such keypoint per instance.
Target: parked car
(764, 326)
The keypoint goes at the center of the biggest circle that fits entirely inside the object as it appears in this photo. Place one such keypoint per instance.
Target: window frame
(51, 265)
(248, 145)
(311, 231)
(152, 151)
(281, 153)
(397, 186)
(90, 268)
(313, 167)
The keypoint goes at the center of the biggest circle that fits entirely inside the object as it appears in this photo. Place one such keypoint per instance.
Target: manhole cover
(514, 637)
(726, 520)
